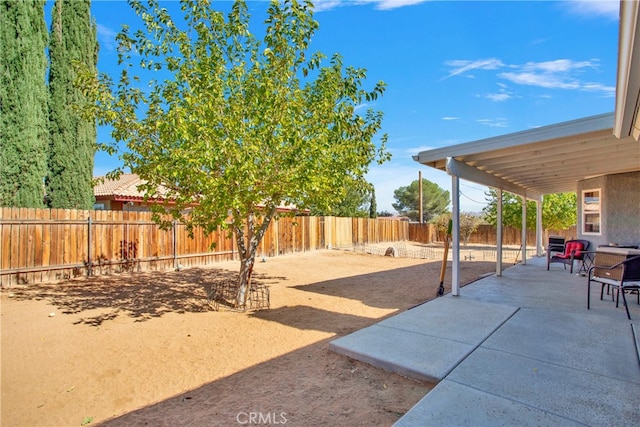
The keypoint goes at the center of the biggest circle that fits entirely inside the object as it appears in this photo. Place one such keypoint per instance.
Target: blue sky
(455, 71)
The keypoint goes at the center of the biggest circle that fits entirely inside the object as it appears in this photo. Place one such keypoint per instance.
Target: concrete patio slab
(573, 394)
(417, 356)
(465, 320)
(575, 341)
(484, 409)
(520, 349)
(425, 343)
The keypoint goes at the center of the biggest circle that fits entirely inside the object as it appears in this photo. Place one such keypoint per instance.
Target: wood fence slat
(5, 235)
(31, 245)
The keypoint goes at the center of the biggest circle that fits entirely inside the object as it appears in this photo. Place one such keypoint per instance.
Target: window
(591, 209)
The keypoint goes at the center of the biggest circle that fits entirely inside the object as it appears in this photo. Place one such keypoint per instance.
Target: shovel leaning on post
(443, 268)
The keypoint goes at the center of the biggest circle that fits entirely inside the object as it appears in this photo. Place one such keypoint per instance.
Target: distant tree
(241, 126)
(469, 223)
(23, 103)
(442, 222)
(354, 202)
(559, 211)
(373, 205)
(384, 214)
(73, 137)
(435, 200)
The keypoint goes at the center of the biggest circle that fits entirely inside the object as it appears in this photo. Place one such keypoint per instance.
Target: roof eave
(570, 129)
(627, 107)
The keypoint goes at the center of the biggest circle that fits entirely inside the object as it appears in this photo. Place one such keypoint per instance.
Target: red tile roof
(126, 187)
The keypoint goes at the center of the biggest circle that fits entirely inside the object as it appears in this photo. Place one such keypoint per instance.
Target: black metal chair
(616, 272)
(573, 250)
(556, 244)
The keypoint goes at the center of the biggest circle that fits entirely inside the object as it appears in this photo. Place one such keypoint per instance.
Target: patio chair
(573, 250)
(556, 244)
(616, 272)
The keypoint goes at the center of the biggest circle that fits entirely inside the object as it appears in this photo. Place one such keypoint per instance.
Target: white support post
(524, 230)
(499, 235)
(455, 230)
(539, 227)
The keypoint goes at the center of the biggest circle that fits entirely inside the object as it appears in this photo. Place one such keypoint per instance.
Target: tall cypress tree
(373, 206)
(23, 103)
(73, 139)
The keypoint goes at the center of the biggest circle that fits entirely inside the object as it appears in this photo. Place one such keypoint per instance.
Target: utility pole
(420, 196)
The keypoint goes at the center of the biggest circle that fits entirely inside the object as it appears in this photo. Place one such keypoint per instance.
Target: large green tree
(73, 137)
(23, 103)
(238, 125)
(559, 211)
(435, 200)
(355, 201)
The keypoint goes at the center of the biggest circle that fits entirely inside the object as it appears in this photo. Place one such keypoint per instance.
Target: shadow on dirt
(141, 296)
(408, 285)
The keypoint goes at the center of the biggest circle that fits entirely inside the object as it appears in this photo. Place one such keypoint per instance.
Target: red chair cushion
(570, 247)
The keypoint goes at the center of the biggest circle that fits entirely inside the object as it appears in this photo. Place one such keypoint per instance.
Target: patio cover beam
(464, 171)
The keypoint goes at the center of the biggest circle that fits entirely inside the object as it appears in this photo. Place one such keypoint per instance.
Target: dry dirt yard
(148, 350)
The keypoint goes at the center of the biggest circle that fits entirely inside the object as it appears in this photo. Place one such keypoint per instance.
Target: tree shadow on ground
(141, 296)
(311, 318)
(311, 386)
(402, 286)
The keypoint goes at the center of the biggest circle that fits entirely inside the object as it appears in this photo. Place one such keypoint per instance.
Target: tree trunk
(247, 248)
(244, 279)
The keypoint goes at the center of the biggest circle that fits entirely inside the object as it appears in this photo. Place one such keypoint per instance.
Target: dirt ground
(148, 350)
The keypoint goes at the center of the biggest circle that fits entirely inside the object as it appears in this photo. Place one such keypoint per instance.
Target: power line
(475, 201)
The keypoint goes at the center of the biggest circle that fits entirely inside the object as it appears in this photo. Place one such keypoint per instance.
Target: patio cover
(550, 159)
(553, 159)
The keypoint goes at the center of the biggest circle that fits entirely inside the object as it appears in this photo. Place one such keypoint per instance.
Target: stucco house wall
(620, 209)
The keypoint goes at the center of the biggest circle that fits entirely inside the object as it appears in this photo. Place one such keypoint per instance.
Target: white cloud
(608, 91)
(499, 97)
(502, 95)
(545, 80)
(555, 74)
(499, 122)
(594, 8)
(461, 66)
(394, 4)
(324, 5)
(559, 65)
(107, 37)
(450, 118)
(558, 74)
(542, 40)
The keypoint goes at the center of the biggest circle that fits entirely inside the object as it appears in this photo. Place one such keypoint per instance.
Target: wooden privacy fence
(485, 234)
(40, 245)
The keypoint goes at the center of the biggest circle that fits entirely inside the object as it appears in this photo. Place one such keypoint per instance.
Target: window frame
(592, 209)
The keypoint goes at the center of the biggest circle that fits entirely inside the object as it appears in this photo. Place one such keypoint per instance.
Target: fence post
(89, 262)
(175, 255)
